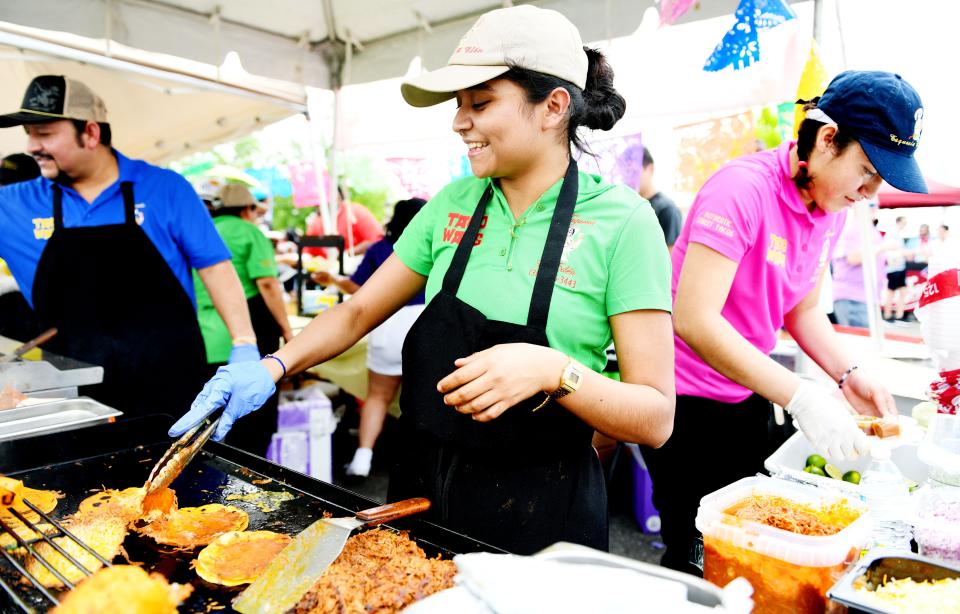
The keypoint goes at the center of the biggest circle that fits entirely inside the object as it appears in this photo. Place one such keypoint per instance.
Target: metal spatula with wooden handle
(298, 566)
(43, 337)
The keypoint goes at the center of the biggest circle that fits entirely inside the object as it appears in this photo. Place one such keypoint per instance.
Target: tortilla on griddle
(103, 534)
(129, 504)
(124, 588)
(238, 557)
(190, 527)
(44, 500)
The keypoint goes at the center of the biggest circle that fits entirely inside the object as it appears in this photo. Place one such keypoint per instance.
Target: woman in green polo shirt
(531, 269)
(234, 212)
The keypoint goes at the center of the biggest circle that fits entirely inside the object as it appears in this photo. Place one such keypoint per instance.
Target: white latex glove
(826, 423)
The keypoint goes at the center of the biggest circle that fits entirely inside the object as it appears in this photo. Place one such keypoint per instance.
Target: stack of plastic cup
(939, 315)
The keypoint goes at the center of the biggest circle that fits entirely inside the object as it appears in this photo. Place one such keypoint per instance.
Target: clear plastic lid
(804, 550)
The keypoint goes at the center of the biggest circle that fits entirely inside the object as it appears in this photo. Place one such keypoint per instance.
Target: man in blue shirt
(103, 246)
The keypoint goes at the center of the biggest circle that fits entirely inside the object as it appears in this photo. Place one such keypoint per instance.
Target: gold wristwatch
(569, 380)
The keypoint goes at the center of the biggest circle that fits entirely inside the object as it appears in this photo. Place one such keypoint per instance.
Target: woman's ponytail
(598, 106)
(604, 106)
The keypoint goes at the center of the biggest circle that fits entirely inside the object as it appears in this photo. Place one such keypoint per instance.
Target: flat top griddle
(119, 455)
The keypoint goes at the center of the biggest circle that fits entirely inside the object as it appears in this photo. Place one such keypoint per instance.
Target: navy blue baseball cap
(884, 113)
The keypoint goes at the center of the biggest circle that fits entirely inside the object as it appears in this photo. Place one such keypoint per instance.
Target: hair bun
(604, 105)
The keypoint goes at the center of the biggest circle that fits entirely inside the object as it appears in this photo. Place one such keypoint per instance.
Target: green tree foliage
(286, 216)
(366, 180)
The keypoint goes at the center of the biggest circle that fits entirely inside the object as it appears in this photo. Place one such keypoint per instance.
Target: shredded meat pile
(783, 514)
(378, 571)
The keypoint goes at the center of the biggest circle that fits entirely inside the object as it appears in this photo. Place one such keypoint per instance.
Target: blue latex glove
(241, 387)
(243, 353)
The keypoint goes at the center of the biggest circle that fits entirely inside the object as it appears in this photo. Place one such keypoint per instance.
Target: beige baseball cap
(526, 36)
(236, 195)
(54, 97)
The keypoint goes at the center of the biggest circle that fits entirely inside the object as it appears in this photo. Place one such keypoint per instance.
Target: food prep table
(43, 374)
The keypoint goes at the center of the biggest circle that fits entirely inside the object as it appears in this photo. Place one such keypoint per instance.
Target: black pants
(712, 445)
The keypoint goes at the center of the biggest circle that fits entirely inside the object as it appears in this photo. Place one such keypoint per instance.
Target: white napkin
(508, 584)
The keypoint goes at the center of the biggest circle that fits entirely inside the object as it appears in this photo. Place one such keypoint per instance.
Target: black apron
(17, 319)
(117, 304)
(524, 480)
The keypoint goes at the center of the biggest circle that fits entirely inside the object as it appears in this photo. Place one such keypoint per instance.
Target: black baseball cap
(18, 167)
(884, 113)
(51, 98)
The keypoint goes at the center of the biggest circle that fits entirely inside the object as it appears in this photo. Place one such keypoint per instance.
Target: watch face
(574, 378)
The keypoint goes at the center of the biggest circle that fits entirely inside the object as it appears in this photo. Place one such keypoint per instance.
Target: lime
(911, 485)
(814, 470)
(815, 460)
(833, 471)
(852, 476)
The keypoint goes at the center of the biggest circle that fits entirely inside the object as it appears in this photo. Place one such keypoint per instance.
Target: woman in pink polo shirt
(749, 261)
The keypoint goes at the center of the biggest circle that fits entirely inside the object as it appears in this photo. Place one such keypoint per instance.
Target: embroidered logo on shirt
(717, 223)
(566, 274)
(573, 241)
(42, 228)
(777, 251)
(457, 225)
(139, 210)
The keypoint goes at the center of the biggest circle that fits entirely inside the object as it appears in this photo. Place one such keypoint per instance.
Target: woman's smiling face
(499, 128)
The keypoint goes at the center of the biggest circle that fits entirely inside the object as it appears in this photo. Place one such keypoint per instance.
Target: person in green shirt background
(234, 212)
(531, 269)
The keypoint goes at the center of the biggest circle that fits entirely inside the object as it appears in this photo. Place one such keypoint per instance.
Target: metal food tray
(892, 564)
(53, 416)
(699, 591)
(117, 455)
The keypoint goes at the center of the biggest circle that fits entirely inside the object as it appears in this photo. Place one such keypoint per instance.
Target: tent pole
(335, 62)
(344, 80)
(818, 20)
(323, 205)
(334, 159)
(868, 251)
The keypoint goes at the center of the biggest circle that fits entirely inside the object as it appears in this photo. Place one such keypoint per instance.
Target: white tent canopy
(296, 40)
(159, 110)
(160, 114)
(645, 66)
(183, 75)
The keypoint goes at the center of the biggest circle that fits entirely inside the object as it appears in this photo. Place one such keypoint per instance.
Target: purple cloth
(375, 256)
(848, 278)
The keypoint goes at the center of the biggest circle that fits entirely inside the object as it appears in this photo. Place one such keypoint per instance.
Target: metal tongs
(179, 455)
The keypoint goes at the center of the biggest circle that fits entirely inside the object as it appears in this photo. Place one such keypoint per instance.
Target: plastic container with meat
(790, 541)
